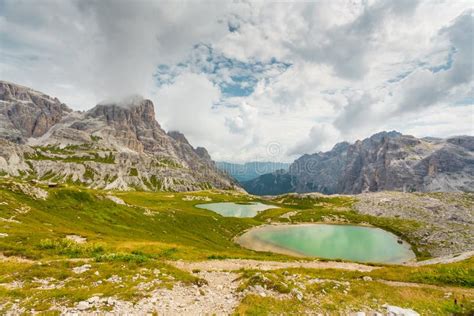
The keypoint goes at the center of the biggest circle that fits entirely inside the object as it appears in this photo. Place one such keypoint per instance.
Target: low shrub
(70, 248)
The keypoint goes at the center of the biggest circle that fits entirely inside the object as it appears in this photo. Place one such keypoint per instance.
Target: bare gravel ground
(218, 297)
(220, 294)
(445, 259)
(237, 264)
(448, 218)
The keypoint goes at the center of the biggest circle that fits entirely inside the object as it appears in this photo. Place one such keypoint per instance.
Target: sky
(253, 80)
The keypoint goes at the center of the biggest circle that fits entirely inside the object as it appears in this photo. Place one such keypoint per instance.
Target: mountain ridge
(250, 170)
(112, 146)
(383, 161)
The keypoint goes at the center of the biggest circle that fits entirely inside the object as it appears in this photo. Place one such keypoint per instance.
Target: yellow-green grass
(362, 296)
(73, 287)
(441, 289)
(460, 274)
(153, 223)
(155, 227)
(162, 224)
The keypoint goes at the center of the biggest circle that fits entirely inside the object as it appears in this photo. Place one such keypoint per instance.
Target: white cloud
(102, 48)
(322, 137)
(304, 74)
(186, 106)
(244, 121)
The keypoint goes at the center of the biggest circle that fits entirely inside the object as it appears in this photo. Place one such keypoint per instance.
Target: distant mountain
(384, 161)
(250, 170)
(115, 145)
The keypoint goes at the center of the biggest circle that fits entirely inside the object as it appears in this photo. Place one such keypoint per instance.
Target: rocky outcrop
(384, 161)
(448, 219)
(27, 113)
(115, 145)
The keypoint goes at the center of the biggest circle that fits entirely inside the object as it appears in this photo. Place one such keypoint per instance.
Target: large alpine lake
(348, 242)
(230, 209)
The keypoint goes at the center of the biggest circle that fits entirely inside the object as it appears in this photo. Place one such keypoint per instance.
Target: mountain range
(384, 161)
(115, 145)
(250, 170)
(120, 145)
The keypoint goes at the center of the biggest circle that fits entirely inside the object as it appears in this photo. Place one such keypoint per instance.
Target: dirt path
(15, 259)
(445, 259)
(237, 264)
(445, 288)
(219, 297)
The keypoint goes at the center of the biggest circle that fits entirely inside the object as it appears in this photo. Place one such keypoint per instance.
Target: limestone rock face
(27, 113)
(202, 152)
(384, 161)
(115, 145)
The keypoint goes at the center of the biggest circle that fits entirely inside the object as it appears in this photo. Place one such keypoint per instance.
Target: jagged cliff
(27, 113)
(115, 145)
(384, 161)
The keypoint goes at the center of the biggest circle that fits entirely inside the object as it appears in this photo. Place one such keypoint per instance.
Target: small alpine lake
(329, 241)
(231, 209)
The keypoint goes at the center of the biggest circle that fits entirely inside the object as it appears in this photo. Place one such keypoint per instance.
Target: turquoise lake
(230, 209)
(347, 242)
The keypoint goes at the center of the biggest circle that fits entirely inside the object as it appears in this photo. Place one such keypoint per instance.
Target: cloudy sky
(254, 80)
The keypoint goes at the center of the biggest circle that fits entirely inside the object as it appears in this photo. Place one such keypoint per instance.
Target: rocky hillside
(27, 113)
(115, 145)
(384, 161)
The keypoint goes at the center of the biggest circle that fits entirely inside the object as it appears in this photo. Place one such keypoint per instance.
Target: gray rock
(298, 294)
(93, 300)
(83, 305)
(115, 145)
(399, 311)
(81, 269)
(27, 113)
(384, 161)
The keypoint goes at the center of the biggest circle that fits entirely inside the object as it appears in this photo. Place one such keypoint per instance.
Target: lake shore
(250, 239)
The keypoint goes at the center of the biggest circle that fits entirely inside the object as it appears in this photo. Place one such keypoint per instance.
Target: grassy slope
(175, 229)
(346, 290)
(158, 226)
(161, 223)
(77, 287)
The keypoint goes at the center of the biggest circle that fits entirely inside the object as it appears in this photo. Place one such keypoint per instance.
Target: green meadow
(151, 230)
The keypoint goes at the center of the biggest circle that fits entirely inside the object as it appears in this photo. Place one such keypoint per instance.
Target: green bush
(70, 248)
(133, 172)
(123, 257)
(446, 275)
(217, 257)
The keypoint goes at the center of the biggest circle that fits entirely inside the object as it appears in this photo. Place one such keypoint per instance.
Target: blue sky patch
(235, 78)
(400, 77)
(448, 64)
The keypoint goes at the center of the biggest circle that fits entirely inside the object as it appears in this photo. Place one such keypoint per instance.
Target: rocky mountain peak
(384, 134)
(131, 112)
(25, 112)
(384, 161)
(116, 145)
(463, 141)
(339, 147)
(178, 136)
(203, 153)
